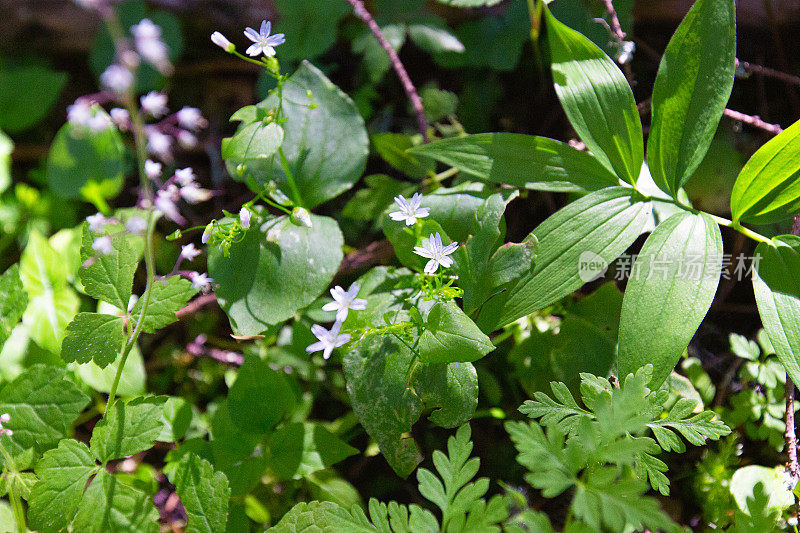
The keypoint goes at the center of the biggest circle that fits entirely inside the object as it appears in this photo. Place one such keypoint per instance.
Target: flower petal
(254, 50)
(252, 34)
(431, 267)
(331, 306)
(424, 252)
(266, 27)
(450, 248)
(397, 215)
(318, 331)
(317, 346)
(344, 338)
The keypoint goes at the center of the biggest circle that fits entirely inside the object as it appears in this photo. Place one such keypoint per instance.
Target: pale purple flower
(166, 205)
(155, 103)
(5, 418)
(328, 339)
(146, 29)
(187, 139)
(99, 122)
(121, 117)
(410, 210)
(200, 281)
(189, 252)
(222, 41)
(432, 249)
(97, 222)
(152, 169)
(103, 245)
(136, 225)
(80, 113)
(194, 194)
(244, 217)
(159, 143)
(191, 118)
(185, 176)
(263, 42)
(149, 44)
(132, 302)
(117, 78)
(89, 4)
(344, 300)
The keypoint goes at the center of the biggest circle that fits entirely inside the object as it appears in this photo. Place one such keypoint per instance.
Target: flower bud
(222, 41)
(301, 217)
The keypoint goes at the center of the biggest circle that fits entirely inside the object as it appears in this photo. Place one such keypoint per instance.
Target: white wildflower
(117, 78)
(189, 252)
(263, 42)
(103, 245)
(155, 103)
(244, 217)
(200, 281)
(97, 222)
(432, 249)
(328, 339)
(222, 41)
(344, 300)
(194, 194)
(190, 118)
(136, 225)
(410, 210)
(152, 169)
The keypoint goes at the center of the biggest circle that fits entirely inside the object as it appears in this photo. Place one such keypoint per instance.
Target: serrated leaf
(167, 297)
(108, 277)
(42, 404)
(524, 161)
(63, 473)
(128, 427)
(767, 189)
(204, 494)
(597, 99)
(777, 294)
(696, 428)
(93, 337)
(260, 396)
(672, 286)
(596, 228)
(276, 270)
(451, 336)
(111, 505)
(691, 91)
(300, 449)
(13, 301)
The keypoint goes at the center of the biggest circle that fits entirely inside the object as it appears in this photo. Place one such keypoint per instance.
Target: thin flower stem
(298, 200)
(16, 503)
(361, 12)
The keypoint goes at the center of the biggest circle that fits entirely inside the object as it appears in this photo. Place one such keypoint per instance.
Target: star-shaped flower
(263, 42)
(344, 300)
(200, 281)
(410, 210)
(328, 339)
(188, 251)
(103, 245)
(97, 222)
(432, 249)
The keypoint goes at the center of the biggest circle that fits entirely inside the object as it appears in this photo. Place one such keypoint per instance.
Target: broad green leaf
(260, 397)
(13, 301)
(326, 147)
(745, 479)
(204, 494)
(671, 288)
(451, 336)
(525, 161)
(575, 244)
(691, 91)
(93, 337)
(177, 419)
(377, 381)
(63, 473)
(42, 404)
(376, 61)
(451, 390)
(167, 297)
(253, 145)
(275, 270)
(128, 427)
(111, 505)
(370, 203)
(6, 147)
(394, 149)
(405, 238)
(29, 91)
(108, 277)
(597, 99)
(300, 449)
(768, 189)
(309, 25)
(777, 294)
(131, 382)
(48, 315)
(79, 157)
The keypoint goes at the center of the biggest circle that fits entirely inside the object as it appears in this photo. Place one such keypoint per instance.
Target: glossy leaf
(691, 91)
(777, 292)
(594, 230)
(597, 99)
(108, 277)
(451, 336)
(275, 270)
(253, 145)
(524, 161)
(29, 92)
(768, 187)
(671, 288)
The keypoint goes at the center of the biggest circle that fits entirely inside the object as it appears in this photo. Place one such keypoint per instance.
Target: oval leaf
(671, 288)
(451, 336)
(691, 91)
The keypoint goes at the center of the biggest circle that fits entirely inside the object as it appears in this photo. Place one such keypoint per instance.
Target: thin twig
(362, 13)
(752, 68)
(753, 120)
(791, 435)
(197, 304)
(619, 36)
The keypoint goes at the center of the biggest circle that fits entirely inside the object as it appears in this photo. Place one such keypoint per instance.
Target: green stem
(16, 503)
(296, 198)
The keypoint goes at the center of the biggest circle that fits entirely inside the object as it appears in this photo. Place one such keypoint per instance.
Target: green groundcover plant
(404, 348)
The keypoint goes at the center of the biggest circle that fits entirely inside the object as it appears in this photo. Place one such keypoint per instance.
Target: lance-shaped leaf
(691, 91)
(63, 473)
(111, 505)
(768, 189)
(777, 291)
(597, 99)
(275, 270)
(575, 244)
(524, 161)
(204, 494)
(260, 396)
(128, 428)
(13, 301)
(451, 336)
(671, 288)
(93, 337)
(42, 404)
